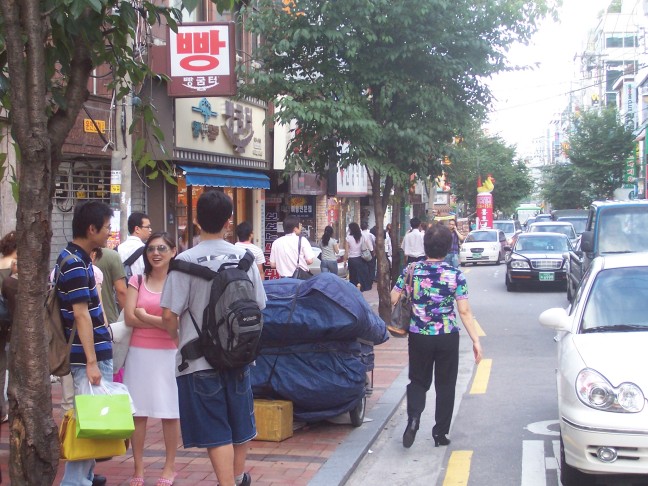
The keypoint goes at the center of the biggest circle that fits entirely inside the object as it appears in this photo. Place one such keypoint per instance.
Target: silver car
(601, 375)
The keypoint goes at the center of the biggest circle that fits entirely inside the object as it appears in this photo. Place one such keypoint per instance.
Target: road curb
(339, 467)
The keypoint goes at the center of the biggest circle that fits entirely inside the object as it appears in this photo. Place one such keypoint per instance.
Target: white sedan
(602, 373)
(484, 245)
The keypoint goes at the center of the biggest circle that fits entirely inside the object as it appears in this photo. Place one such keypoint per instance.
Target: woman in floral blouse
(433, 334)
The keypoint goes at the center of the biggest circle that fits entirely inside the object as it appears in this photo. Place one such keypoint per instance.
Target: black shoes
(98, 480)
(247, 480)
(410, 432)
(440, 440)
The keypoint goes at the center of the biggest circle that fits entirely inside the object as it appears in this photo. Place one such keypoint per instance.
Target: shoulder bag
(365, 253)
(400, 318)
(121, 336)
(299, 272)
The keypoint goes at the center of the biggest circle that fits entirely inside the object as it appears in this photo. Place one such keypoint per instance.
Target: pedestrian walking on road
(330, 250)
(433, 345)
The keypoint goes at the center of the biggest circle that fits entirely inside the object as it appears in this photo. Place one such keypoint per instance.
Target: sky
(526, 101)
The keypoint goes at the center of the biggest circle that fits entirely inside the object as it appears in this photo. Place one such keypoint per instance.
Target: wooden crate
(274, 419)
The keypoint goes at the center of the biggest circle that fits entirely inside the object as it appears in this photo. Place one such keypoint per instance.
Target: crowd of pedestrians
(209, 407)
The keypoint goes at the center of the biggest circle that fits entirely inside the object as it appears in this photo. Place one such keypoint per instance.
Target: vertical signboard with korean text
(201, 60)
(273, 207)
(484, 210)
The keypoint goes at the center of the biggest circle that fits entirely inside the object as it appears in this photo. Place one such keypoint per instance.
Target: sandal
(166, 481)
(136, 481)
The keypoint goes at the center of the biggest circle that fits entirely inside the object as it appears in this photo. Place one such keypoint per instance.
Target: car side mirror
(555, 318)
(587, 241)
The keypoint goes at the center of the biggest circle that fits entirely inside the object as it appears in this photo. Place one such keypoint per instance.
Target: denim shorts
(216, 408)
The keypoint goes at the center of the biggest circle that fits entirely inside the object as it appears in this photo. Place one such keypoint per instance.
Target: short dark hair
(213, 210)
(290, 223)
(437, 241)
(8, 243)
(364, 225)
(415, 222)
(136, 219)
(89, 213)
(243, 231)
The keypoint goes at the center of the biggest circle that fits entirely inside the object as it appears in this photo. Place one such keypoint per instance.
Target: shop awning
(210, 176)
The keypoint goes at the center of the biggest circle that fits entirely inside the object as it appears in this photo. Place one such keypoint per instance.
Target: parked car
(510, 227)
(577, 217)
(543, 217)
(528, 223)
(537, 258)
(563, 227)
(315, 266)
(484, 245)
(612, 227)
(601, 375)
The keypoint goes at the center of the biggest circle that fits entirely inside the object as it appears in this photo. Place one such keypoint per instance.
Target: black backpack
(232, 321)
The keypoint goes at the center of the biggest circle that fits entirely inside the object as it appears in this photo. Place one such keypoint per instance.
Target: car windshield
(541, 244)
(579, 224)
(506, 227)
(617, 301)
(623, 230)
(565, 229)
(478, 236)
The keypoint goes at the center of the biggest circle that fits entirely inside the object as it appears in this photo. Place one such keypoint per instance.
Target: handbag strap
(298, 249)
(410, 277)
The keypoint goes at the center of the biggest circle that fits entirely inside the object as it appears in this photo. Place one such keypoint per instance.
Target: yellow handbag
(74, 449)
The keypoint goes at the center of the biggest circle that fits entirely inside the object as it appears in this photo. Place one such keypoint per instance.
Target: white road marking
(533, 463)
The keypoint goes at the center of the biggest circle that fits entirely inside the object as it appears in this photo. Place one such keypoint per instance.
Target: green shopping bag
(103, 416)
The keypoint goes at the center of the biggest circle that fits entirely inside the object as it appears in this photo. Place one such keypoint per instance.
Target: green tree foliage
(479, 156)
(599, 146)
(48, 50)
(565, 187)
(394, 81)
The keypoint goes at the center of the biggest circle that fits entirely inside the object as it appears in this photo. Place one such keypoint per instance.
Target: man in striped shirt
(91, 354)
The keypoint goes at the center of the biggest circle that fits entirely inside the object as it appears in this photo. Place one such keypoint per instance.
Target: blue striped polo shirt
(76, 283)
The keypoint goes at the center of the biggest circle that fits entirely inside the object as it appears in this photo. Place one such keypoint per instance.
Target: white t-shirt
(127, 248)
(413, 244)
(259, 258)
(284, 254)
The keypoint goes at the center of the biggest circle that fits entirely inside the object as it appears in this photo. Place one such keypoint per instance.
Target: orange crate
(274, 419)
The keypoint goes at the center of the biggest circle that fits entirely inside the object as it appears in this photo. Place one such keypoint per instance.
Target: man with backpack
(91, 352)
(216, 402)
(131, 250)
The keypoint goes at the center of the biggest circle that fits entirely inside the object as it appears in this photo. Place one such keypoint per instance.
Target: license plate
(546, 276)
(476, 255)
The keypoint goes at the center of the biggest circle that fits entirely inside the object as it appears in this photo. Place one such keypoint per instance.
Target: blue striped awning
(211, 176)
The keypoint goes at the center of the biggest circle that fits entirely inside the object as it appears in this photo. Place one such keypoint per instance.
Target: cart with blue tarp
(317, 347)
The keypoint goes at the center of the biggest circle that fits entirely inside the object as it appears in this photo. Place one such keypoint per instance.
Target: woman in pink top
(150, 364)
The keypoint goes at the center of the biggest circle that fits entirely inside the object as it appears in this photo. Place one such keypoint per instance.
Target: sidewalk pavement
(319, 454)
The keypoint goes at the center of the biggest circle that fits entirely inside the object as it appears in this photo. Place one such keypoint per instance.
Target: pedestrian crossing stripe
(458, 470)
(480, 382)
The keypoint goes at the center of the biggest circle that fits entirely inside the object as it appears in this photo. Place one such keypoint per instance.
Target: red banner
(484, 210)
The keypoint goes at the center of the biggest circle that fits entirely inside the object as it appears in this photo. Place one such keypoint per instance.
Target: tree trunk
(382, 264)
(34, 446)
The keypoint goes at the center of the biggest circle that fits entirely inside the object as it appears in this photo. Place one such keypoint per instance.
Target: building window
(620, 40)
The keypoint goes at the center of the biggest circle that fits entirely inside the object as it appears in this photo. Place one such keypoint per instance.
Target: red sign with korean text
(202, 60)
(484, 210)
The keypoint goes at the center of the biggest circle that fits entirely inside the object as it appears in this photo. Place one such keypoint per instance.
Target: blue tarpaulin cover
(316, 345)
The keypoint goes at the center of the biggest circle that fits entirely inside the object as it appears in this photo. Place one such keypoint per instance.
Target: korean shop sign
(201, 60)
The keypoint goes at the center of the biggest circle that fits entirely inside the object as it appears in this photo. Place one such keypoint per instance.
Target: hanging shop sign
(352, 181)
(484, 210)
(201, 60)
(220, 125)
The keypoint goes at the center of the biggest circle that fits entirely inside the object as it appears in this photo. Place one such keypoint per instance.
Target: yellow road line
(480, 383)
(480, 331)
(458, 469)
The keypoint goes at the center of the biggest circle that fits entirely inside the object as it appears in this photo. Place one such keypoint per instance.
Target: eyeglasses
(159, 248)
(146, 227)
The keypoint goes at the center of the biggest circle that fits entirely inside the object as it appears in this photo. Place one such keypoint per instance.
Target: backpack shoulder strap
(66, 259)
(246, 261)
(136, 254)
(191, 268)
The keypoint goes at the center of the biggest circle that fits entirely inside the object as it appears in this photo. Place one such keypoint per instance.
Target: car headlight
(519, 264)
(595, 391)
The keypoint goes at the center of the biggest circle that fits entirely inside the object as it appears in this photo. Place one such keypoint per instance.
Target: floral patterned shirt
(435, 286)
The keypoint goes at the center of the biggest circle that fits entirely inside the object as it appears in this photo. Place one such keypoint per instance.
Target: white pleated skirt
(149, 375)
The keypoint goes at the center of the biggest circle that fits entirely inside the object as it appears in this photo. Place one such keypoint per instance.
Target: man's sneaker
(98, 480)
(247, 480)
